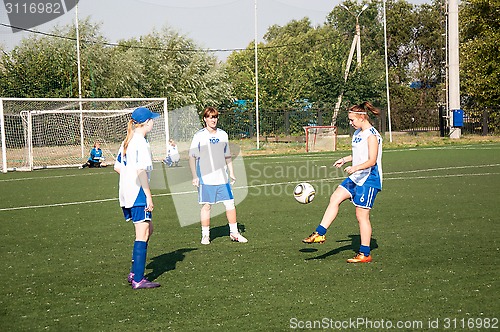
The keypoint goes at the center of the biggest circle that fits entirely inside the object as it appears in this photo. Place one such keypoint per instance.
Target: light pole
(256, 76)
(356, 43)
(387, 75)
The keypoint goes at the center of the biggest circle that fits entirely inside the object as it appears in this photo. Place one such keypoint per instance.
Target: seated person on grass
(96, 158)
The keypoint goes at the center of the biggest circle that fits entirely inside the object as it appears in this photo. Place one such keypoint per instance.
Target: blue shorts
(137, 214)
(361, 196)
(208, 194)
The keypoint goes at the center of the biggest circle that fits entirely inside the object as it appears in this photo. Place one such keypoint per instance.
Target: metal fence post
(485, 122)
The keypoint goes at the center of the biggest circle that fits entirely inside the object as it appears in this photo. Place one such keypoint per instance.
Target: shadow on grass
(166, 262)
(221, 231)
(355, 242)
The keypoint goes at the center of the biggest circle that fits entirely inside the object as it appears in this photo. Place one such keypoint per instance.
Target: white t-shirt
(210, 151)
(138, 158)
(173, 153)
(370, 176)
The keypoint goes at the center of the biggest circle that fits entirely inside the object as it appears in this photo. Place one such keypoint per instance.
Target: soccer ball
(304, 193)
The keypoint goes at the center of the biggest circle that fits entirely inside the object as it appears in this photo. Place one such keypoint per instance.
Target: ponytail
(131, 125)
(364, 108)
(130, 133)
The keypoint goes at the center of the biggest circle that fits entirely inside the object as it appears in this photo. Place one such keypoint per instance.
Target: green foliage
(480, 51)
(301, 62)
(297, 62)
(45, 66)
(64, 266)
(157, 65)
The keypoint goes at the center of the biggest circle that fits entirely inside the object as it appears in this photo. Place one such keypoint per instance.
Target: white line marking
(462, 147)
(280, 184)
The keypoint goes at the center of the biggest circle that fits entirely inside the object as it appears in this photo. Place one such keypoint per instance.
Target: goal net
(321, 138)
(44, 132)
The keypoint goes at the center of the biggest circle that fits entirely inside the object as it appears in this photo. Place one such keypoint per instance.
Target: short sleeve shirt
(210, 151)
(371, 176)
(138, 157)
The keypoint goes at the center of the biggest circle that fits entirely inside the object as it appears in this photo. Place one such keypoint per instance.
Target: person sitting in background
(96, 158)
(173, 156)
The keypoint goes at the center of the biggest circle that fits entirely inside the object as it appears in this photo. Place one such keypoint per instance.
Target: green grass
(65, 250)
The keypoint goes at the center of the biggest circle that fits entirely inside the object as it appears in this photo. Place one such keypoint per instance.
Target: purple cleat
(144, 283)
(130, 277)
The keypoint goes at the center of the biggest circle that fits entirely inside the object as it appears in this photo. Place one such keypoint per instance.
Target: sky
(212, 24)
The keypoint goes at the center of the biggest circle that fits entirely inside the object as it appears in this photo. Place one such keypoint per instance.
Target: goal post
(321, 138)
(60, 132)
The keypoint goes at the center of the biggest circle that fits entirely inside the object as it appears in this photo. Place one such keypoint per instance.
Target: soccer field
(65, 250)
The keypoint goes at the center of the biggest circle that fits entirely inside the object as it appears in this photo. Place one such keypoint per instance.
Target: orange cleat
(360, 258)
(315, 238)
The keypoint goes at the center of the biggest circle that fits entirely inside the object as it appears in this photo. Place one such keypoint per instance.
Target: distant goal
(321, 138)
(60, 132)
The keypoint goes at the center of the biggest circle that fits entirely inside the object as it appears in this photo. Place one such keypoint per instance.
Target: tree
(47, 66)
(167, 64)
(415, 38)
(160, 64)
(480, 52)
(284, 65)
(44, 66)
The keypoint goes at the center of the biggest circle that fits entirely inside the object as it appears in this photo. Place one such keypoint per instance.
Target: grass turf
(65, 250)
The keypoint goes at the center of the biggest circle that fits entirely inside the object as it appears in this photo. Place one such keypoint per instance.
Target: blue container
(458, 118)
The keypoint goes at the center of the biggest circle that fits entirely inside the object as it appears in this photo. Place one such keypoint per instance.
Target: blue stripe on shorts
(362, 196)
(137, 214)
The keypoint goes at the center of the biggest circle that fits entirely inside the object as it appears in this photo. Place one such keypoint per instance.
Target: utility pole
(455, 113)
(356, 44)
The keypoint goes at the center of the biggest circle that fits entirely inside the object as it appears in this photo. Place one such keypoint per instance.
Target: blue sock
(139, 259)
(365, 250)
(321, 230)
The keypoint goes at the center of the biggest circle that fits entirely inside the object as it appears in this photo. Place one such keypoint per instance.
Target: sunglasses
(213, 117)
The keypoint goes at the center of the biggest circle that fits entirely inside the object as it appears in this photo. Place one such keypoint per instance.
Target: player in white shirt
(173, 155)
(212, 170)
(134, 165)
(363, 183)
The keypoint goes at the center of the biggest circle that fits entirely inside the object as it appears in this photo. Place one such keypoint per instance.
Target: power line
(159, 48)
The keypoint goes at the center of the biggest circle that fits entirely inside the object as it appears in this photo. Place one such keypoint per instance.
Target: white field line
(308, 156)
(332, 155)
(55, 177)
(285, 183)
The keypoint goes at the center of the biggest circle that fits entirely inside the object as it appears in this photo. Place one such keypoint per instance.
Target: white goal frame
(321, 138)
(22, 118)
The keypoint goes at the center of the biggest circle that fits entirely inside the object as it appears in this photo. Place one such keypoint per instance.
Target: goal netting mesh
(321, 138)
(43, 133)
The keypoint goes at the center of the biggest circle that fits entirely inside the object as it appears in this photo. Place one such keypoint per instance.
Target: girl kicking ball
(363, 183)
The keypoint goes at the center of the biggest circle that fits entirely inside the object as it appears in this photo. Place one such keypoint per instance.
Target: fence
(484, 121)
(273, 123)
(290, 122)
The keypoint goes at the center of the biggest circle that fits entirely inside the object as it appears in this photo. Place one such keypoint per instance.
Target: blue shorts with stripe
(137, 214)
(212, 194)
(362, 196)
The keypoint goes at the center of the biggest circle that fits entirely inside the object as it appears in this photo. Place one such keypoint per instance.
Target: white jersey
(138, 158)
(210, 151)
(173, 153)
(371, 176)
